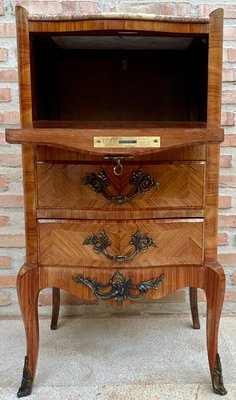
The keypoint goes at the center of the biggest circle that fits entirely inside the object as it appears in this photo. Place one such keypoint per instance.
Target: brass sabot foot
(27, 381)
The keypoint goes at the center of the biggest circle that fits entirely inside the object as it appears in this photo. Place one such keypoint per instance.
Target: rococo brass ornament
(142, 183)
(217, 378)
(121, 288)
(101, 241)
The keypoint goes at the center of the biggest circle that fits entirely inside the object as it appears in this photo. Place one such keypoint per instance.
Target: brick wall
(11, 200)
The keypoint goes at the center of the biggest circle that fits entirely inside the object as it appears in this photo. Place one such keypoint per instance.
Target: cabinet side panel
(26, 122)
(214, 118)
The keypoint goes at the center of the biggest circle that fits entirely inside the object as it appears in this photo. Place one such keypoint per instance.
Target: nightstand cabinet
(120, 137)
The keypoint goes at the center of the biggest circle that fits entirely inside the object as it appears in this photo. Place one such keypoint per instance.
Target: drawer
(136, 243)
(92, 283)
(170, 185)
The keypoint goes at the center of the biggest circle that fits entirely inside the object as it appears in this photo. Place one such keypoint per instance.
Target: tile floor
(112, 358)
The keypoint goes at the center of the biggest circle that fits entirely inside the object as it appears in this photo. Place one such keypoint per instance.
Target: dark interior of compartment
(156, 79)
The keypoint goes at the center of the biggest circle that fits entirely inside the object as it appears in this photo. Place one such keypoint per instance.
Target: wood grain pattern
(28, 290)
(179, 242)
(194, 307)
(214, 287)
(82, 139)
(215, 277)
(26, 122)
(188, 275)
(24, 64)
(57, 213)
(118, 25)
(181, 185)
(213, 117)
(186, 153)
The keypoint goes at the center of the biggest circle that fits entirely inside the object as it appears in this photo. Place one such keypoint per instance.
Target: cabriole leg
(194, 307)
(28, 291)
(215, 289)
(55, 307)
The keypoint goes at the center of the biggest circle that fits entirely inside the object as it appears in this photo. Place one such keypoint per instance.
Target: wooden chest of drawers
(120, 134)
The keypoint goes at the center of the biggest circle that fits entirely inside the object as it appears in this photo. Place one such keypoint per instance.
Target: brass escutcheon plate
(126, 141)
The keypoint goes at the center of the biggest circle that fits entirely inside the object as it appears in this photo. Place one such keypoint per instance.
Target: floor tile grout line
(198, 389)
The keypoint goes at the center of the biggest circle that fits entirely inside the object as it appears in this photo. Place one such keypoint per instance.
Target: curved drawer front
(139, 243)
(176, 185)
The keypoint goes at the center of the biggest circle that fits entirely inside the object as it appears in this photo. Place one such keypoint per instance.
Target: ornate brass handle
(142, 183)
(121, 288)
(101, 241)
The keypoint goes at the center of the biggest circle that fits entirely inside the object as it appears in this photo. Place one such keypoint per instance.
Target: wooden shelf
(82, 139)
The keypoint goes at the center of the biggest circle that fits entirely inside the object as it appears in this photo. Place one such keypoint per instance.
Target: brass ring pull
(101, 242)
(142, 183)
(118, 168)
(121, 288)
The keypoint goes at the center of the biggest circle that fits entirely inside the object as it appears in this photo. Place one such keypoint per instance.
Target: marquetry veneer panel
(181, 185)
(178, 242)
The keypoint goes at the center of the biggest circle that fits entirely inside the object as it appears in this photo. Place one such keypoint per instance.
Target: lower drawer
(115, 285)
(134, 243)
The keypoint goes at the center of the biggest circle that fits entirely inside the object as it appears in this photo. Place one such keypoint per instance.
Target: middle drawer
(133, 243)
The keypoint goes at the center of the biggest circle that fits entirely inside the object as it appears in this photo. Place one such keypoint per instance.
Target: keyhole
(124, 64)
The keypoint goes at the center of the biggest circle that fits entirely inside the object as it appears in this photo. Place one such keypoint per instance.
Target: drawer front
(139, 243)
(179, 185)
(117, 284)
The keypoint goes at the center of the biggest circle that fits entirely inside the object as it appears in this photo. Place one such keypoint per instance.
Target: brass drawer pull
(121, 288)
(101, 242)
(142, 183)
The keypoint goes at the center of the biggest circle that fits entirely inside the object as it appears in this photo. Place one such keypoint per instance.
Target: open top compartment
(119, 76)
